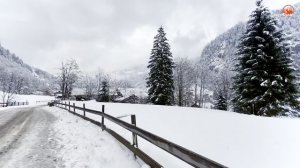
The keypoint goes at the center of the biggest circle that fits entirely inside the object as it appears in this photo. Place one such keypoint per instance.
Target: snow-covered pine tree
(160, 80)
(264, 84)
(221, 102)
(103, 96)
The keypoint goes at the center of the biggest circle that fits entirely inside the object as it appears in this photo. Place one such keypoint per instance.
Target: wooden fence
(178, 151)
(13, 104)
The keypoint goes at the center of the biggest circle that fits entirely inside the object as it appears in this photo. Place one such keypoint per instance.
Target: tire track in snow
(25, 139)
(12, 130)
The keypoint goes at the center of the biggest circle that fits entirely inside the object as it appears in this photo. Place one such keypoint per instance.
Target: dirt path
(25, 139)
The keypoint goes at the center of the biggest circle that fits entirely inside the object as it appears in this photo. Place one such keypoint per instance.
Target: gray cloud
(112, 34)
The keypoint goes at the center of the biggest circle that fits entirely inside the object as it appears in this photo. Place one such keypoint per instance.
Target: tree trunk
(180, 96)
(196, 98)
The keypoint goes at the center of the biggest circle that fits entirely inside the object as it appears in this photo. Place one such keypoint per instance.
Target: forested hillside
(219, 55)
(25, 78)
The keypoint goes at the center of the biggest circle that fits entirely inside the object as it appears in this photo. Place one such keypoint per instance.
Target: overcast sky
(114, 34)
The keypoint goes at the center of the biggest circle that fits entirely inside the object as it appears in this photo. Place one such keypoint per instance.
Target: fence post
(83, 109)
(102, 123)
(74, 107)
(65, 105)
(134, 136)
(69, 106)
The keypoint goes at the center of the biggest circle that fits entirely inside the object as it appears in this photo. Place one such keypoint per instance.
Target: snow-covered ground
(83, 144)
(44, 136)
(235, 140)
(33, 99)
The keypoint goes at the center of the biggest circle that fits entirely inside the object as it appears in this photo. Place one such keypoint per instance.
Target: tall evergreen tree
(265, 80)
(103, 95)
(160, 80)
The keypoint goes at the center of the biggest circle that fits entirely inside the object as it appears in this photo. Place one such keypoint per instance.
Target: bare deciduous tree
(68, 76)
(125, 84)
(8, 87)
(199, 78)
(182, 81)
(90, 85)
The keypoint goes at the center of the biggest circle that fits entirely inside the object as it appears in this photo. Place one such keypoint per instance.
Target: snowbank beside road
(85, 145)
(235, 140)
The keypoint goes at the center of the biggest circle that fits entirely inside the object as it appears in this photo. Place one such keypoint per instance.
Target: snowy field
(232, 139)
(83, 144)
(31, 99)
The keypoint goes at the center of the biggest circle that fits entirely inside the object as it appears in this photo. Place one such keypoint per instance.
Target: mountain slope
(34, 79)
(219, 54)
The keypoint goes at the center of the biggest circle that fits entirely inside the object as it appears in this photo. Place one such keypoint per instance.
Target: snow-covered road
(47, 137)
(25, 138)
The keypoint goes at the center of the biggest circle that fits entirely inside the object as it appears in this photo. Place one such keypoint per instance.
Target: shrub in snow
(221, 102)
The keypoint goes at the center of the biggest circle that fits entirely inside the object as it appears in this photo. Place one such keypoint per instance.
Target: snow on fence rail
(13, 104)
(178, 151)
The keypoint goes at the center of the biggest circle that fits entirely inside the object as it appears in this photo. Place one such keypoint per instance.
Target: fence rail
(178, 151)
(13, 104)
(43, 101)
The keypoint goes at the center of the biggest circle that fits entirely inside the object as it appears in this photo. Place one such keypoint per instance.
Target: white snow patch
(32, 99)
(85, 145)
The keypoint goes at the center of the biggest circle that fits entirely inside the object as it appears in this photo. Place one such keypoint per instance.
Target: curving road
(26, 139)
